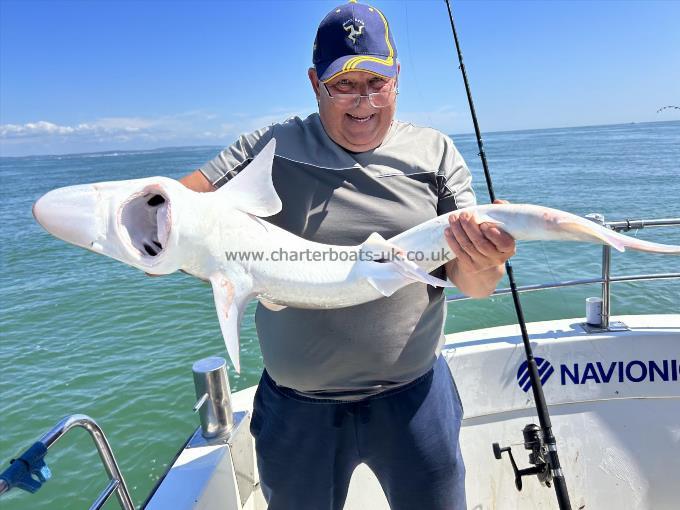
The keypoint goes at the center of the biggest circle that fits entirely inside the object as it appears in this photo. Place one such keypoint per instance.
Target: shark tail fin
(620, 242)
(632, 243)
(593, 232)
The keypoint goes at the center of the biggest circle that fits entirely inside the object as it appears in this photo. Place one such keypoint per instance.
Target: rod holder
(210, 378)
(594, 311)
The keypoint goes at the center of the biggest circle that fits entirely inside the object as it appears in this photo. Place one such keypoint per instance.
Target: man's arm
(481, 252)
(197, 181)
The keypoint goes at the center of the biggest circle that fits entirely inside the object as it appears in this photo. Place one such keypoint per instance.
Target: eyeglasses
(380, 99)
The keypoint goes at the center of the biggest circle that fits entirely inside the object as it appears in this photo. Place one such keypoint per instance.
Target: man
(364, 383)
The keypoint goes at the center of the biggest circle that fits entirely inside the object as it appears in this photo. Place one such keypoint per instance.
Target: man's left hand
(478, 247)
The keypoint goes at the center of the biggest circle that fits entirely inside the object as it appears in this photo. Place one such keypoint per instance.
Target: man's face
(356, 128)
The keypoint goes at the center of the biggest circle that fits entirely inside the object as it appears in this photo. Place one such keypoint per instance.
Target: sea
(85, 334)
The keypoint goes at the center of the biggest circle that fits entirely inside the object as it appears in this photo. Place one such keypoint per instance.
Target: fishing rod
(544, 454)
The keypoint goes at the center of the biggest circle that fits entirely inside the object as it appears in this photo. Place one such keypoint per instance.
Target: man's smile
(357, 118)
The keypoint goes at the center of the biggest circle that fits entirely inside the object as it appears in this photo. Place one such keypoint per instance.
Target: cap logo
(355, 27)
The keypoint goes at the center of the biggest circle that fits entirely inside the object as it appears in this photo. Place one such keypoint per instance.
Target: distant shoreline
(220, 147)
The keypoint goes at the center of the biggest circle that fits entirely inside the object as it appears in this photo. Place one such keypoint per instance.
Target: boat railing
(605, 279)
(29, 470)
(218, 425)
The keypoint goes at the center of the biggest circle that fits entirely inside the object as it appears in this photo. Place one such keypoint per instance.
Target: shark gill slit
(139, 218)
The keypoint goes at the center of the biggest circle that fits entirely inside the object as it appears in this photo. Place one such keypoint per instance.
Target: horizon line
(168, 147)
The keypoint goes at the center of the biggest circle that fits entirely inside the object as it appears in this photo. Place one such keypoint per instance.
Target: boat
(612, 384)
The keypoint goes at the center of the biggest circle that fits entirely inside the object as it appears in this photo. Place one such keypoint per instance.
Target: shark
(159, 226)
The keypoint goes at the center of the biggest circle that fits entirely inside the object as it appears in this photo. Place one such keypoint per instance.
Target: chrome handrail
(606, 279)
(116, 482)
(623, 226)
(571, 283)
(626, 225)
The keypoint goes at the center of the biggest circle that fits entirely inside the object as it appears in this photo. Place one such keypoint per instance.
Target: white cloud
(47, 129)
(112, 133)
(40, 128)
(193, 124)
(196, 127)
(154, 127)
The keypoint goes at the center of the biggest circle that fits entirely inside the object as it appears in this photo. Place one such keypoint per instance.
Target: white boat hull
(617, 423)
(618, 431)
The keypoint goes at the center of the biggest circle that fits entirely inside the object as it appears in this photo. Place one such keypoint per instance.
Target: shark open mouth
(146, 219)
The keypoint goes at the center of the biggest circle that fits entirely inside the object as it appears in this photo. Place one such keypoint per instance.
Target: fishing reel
(533, 441)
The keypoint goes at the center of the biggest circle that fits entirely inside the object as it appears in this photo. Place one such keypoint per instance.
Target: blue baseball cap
(354, 37)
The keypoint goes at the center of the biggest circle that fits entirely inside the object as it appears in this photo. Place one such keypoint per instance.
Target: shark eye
(145, 218)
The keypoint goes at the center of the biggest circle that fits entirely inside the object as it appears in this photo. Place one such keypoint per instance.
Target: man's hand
(481, 251)
(478, 247)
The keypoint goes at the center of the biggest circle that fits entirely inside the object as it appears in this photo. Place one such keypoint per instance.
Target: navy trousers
(308, 448)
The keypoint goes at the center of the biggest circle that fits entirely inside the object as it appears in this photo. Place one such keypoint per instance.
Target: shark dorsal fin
(252, 190)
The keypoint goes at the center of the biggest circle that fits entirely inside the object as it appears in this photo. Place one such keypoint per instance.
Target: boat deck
(614, 400)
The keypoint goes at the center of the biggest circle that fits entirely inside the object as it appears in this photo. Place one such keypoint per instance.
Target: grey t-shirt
(334, 196)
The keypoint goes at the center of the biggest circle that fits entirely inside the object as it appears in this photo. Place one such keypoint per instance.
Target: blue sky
(85, 76)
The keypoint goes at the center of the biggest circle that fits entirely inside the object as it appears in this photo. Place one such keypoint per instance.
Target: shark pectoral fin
(593, 232)
(272, 306)
(252, 190)
(230, 301)
(413, 271)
